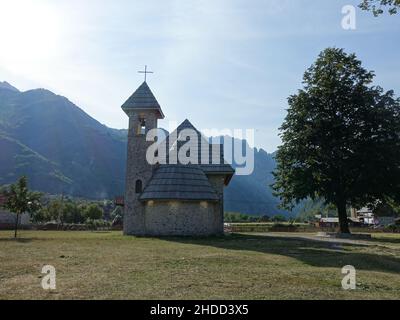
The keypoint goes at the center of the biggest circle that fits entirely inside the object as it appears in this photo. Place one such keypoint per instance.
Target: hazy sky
(220, 63)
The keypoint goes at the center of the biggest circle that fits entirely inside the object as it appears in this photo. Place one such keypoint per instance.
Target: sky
(223, 64)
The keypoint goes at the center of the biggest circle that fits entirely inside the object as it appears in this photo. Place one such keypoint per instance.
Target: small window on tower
(138, 186)
(142, 127)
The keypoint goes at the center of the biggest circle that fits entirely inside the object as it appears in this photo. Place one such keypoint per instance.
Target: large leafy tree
(20, 200)
(341, 138)
(378, 6)
(94, 212)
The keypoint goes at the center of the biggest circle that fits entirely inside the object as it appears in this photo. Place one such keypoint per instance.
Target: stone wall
(218, 183)
(137, 169)
(177, 218)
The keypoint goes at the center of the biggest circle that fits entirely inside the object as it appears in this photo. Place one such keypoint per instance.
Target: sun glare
(29, 31)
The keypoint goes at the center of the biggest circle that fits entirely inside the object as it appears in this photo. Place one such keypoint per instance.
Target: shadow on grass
(315, 253)
(20, 240)
(387, 240)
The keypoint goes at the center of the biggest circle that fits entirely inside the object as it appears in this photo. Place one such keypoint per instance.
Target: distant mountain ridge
(6, 85)
(60, 147)
(64, 150)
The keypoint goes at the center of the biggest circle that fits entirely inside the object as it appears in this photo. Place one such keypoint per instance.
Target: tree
(42, 215)
(395, 206)
(93, 212)
(56, 211)
(20, 200)
(341, 138)
(73, 213)
(264, 218)
(386, 209)
(377, 6)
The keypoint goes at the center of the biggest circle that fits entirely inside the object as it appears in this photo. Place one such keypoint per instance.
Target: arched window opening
(141, 130)
(138, 186)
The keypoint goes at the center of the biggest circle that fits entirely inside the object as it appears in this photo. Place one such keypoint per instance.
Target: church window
(138, 186)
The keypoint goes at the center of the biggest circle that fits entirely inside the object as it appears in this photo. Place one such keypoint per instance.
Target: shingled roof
(179, 182)
(142, 99)
(208, 167)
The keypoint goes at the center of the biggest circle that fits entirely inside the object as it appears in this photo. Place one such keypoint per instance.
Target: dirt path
(314, 237)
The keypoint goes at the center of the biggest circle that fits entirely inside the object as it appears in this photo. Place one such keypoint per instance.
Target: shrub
(395, 228)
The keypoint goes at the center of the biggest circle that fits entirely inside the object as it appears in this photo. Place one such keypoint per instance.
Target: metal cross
(145, 73)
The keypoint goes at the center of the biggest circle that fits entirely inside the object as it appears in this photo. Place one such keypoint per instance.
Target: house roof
(142, 99)
(179, 182)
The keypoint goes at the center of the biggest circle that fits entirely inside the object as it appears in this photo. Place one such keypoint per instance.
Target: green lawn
(94, 265)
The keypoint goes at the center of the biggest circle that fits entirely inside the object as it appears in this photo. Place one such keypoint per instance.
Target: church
(171, 197)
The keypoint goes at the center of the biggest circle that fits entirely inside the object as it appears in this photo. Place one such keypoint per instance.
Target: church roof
(187, 182)
(208, 167)
(142, 99)
(186, 124)
(179, 182)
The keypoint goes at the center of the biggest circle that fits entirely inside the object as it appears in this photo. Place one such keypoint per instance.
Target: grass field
(95, 265)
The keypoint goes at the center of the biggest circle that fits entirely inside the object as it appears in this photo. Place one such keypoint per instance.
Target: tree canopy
(94, 212)
(378, 6)
(341, 138)
(68, 211)
(20, 200)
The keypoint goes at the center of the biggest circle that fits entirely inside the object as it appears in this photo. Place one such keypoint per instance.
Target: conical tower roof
(142, 99)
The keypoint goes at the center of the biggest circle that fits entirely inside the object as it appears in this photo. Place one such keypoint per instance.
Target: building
(365, 215)
(368, 217)
(328, 222)
(168, 196)
(333, 222)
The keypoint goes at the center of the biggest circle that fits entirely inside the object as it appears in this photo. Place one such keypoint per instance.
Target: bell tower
(143, 111)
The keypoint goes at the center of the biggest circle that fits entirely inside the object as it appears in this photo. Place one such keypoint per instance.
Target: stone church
(168, 197)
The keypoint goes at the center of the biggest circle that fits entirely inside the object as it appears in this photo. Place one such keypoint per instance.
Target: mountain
(6, 85)
(60, 147)
(252, 194)
(63, 150)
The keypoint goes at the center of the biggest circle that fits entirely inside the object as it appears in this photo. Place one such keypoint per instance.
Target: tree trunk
(16, 226)
(343, 222)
